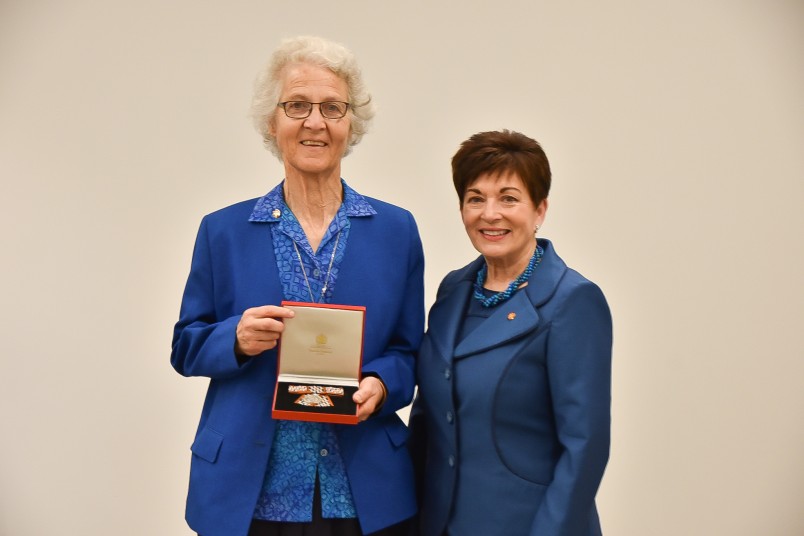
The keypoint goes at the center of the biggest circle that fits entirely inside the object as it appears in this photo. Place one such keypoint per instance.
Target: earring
(536, 230)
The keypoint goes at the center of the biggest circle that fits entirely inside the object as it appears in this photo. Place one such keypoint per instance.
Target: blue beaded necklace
(503, 295)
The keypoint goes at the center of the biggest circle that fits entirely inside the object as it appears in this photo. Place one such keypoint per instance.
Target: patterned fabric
(300, 449)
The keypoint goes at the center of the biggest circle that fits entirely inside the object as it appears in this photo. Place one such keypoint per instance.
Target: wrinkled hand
(370, 396)
(259, 329)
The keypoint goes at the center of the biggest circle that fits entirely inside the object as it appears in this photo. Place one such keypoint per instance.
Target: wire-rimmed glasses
(303, 109)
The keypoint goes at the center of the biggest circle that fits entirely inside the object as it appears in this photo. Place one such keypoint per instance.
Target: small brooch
(276, 213)
(511, 316)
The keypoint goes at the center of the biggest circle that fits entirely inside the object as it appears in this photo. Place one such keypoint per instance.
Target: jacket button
(451, 461)
(450, 417)
(324, 452)
(447, 374)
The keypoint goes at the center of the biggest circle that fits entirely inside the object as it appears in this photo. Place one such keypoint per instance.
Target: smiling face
(311, 147)
(500, 219)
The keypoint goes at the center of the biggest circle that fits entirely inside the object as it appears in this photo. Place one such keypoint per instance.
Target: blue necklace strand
(502, 296)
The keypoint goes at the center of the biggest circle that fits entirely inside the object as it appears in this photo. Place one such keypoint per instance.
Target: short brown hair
(498, 152)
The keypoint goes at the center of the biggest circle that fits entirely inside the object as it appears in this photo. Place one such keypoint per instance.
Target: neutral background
(675, 131)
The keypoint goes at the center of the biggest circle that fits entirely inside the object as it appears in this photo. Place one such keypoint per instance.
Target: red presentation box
(319, 362)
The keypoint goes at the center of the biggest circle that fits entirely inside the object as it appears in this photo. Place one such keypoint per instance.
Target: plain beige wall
(675, 131)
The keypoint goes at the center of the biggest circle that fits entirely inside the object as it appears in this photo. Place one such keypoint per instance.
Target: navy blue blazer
(234, 268)
(510, 429)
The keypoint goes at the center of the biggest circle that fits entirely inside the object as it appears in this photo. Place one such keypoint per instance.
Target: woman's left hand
(370, 396)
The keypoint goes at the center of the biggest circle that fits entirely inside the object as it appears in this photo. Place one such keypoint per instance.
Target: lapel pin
(276, 213)
(511, 316)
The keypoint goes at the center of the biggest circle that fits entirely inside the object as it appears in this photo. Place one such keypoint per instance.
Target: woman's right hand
(259, 329)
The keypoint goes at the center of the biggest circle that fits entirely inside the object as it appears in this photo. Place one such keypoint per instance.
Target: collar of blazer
(510, 320)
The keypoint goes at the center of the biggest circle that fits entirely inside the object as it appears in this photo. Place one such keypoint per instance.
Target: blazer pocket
(397, 431)
(207, 444)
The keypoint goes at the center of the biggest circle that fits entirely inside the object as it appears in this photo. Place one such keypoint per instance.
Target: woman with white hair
(312, 238)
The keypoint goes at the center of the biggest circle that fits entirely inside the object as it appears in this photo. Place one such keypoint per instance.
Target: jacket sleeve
(396, 366)
(579, 372)
(203, 344)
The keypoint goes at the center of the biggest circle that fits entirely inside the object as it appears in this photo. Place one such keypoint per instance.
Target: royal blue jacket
(511, 425)
(233, 269)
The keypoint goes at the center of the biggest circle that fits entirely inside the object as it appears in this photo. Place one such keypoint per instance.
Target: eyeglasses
(303, 109)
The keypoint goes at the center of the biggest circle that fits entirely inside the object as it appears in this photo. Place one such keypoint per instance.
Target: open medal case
(319, 360)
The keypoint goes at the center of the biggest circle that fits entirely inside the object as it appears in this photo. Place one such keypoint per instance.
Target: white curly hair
(322, 53)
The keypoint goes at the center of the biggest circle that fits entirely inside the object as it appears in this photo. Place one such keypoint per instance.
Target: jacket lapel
(446, 317)
(514, 318)
(546, 277)
(509, 321)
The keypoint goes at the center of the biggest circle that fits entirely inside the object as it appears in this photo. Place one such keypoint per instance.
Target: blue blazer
(234, 268)
(510, 429)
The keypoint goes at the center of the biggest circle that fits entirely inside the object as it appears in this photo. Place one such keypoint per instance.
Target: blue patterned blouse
(300, 449)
